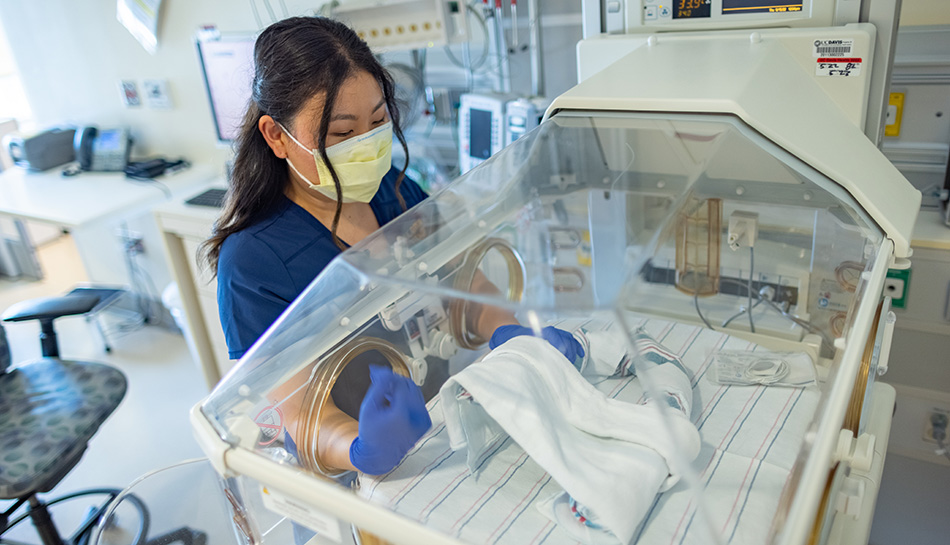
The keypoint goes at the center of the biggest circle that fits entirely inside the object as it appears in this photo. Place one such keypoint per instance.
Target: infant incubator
(723, 269)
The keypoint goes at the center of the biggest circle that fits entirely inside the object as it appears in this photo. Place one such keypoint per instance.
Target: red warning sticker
(838, 66)
(271, 422)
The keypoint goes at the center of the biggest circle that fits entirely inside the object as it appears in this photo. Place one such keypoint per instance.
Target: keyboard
(211, 197)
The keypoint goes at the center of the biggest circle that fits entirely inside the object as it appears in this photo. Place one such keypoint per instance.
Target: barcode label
(833, 48)
(833, 51)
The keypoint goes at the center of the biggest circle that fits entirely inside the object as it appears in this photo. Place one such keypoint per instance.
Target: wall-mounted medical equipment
(227, 69)
(737, 225)
(639, 16)
(394, 25)
(481, 126)
(651, 17)
(523, 115)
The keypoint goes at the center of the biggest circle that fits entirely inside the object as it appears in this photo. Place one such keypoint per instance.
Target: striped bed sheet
(751, 436)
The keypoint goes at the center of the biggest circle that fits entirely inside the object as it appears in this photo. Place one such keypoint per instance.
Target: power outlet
(938, 415)
(896, 285)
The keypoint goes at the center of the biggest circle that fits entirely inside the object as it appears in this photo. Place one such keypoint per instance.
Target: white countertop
(191, 220)
(74, 201)
(930, 231)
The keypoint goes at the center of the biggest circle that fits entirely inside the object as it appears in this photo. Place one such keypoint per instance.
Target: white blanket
(751, 437)
(528, 390)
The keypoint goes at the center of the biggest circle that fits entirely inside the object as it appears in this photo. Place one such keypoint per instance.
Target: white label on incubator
(832, 297)
(323, 524)
(834, 66)
(832, 48)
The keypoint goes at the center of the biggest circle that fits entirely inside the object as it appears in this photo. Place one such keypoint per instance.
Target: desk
(93, 205)
(184, 227)
(73, 202)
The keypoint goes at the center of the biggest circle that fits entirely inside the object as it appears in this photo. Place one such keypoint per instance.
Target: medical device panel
(393, 25)
(481, 127)
(522, 115)
(645, 16)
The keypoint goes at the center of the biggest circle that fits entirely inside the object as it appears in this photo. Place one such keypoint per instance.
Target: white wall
(71, 56)
(925, 12)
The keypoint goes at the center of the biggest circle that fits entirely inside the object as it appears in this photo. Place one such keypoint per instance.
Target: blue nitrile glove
(393, 417)
(560, 339)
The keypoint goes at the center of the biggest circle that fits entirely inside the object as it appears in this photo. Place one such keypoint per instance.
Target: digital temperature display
(760, 6)
(691, 9)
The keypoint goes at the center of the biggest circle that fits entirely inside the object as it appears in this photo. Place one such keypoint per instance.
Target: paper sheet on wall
(140, 17)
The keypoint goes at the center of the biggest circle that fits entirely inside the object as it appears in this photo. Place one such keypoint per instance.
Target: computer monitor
(227, 66)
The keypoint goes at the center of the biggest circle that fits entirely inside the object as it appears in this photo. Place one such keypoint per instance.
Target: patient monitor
(737, 206)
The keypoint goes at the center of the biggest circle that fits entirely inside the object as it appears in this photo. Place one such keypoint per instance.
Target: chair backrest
(5, 358)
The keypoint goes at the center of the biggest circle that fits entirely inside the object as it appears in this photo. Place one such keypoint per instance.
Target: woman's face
(360, 108)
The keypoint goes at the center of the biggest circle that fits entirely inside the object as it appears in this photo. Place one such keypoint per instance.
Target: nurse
(312, 176)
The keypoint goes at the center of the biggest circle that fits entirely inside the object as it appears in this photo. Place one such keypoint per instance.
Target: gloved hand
(560, 339)
(393, 417)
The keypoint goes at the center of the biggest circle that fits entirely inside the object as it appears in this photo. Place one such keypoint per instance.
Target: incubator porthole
(492, 260)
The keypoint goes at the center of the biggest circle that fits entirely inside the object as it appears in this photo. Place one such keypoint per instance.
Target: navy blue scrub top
(263, 268)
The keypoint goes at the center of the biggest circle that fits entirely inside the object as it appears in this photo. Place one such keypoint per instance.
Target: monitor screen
(227, 65)
(480, 134)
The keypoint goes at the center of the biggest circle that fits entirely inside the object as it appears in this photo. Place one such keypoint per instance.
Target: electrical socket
(743, 229)
(894, 287)
(938, 414)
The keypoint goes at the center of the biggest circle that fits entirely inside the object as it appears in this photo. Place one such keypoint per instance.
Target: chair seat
(49, 409)
(50, 308)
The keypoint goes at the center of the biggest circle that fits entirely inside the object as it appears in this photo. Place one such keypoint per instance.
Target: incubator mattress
(750, 438)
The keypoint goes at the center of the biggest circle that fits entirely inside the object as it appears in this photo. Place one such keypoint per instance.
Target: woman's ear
(273, 135)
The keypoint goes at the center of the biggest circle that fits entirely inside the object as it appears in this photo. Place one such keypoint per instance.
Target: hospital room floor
(150, 429)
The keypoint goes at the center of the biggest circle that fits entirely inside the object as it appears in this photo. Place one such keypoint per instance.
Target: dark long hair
(294, 60)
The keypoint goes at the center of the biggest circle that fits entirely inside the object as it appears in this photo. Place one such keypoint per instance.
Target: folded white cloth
(610, 457)
(605, 349)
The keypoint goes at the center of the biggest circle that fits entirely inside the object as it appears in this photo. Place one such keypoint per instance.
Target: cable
(751, 269)
(761, 297)
(270, 11)
(766, 371)
(149, 181)
(805, 325)
(742, 311)
(699, 312)
(257, 15)
(484, 54)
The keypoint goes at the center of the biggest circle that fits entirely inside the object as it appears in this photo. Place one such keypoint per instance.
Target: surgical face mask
(360, 163)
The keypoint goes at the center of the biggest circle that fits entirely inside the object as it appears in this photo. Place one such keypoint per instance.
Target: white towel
(611, 457)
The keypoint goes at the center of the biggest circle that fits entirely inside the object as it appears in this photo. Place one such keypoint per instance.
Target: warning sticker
(271, 422)
(833, 48)
(844, 66)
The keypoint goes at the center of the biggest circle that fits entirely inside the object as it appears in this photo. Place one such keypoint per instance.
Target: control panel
(640, 16)
(481, 128)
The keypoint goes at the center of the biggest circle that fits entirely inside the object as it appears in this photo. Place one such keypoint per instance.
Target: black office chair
(49, 410)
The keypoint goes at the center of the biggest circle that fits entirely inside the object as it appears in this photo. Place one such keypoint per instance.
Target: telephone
(102, 150)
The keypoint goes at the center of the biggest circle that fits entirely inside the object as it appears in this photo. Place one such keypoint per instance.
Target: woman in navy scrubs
(312, 176)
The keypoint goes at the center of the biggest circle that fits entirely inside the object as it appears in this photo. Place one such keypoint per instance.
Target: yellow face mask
(360, 163)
